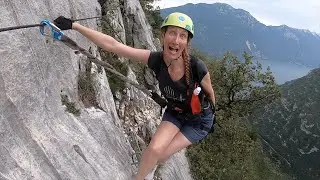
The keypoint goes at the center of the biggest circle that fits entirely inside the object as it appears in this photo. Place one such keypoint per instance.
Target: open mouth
(173, 49)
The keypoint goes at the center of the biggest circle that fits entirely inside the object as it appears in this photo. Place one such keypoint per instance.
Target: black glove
(158, 99)
(63, 23)
(213, 108)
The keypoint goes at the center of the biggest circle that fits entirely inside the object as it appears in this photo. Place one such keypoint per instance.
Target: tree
(233, 151)
(241, 85)
(153, 15)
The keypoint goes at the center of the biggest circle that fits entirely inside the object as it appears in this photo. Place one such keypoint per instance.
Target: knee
(162, 160)
(155, 150)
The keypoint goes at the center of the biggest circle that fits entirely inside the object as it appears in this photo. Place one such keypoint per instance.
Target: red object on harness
(195, 103)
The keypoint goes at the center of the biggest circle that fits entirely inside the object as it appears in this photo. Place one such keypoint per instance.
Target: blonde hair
(185, 55)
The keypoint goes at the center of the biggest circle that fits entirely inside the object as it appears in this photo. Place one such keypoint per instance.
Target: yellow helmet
(180, 20)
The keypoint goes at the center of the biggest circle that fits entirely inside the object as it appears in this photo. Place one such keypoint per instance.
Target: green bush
(230, 153)
(86, 91)
(115, 83)
(70, 106)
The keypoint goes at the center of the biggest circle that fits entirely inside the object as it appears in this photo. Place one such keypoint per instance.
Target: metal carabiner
(56, 32)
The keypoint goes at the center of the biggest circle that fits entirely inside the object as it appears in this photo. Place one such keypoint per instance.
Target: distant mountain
(291, 126)
(220, 27)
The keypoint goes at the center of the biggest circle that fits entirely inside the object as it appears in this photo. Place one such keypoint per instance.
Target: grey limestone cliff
(40, 80)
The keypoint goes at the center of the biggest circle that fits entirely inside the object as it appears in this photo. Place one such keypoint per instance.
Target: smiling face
(175, 40)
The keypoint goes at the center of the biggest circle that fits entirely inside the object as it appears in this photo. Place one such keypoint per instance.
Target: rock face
(58, 118)
(140, 30)
(39, 138)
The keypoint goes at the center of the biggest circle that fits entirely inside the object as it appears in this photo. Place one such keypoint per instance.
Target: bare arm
(109, 44)
(207, 87)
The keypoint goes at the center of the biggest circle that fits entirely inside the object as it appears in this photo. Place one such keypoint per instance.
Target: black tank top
(175, 91)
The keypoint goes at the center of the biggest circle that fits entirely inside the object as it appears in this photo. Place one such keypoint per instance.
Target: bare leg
(178, 143)
(159, 142)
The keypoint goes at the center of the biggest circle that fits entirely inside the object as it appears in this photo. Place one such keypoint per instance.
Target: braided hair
(186, 59)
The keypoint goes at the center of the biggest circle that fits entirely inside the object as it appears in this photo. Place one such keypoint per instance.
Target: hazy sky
(301, 14)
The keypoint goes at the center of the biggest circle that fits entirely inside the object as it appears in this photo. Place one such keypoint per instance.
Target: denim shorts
(191, 126)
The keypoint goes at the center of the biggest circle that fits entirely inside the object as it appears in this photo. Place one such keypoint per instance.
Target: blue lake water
(286, 71)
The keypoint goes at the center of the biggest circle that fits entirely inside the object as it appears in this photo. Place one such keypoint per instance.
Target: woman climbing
(184, 81)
